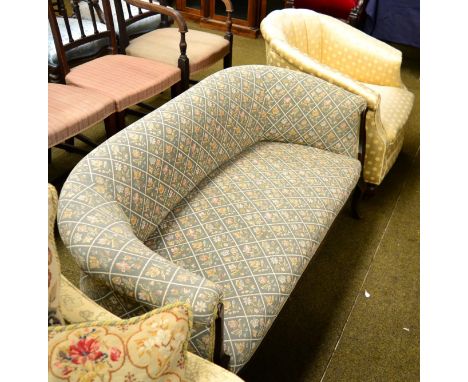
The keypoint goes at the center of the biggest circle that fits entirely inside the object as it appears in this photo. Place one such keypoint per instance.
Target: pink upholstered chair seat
(73, 109)
(127, 80)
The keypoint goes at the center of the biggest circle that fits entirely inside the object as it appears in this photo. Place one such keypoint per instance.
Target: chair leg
(176, 89)
(86, 140)
(110, 124)
(121, 120)
(71, 149)
(227, 61)
(145, 106)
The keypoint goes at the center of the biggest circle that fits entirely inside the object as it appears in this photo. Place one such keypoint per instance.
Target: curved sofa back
(136, 177)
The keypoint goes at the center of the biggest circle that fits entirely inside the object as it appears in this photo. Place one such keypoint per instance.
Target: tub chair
(219, 198)
(325, 47)
(72, 312)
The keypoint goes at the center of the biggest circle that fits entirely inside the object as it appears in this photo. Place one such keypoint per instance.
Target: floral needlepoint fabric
(151, 347)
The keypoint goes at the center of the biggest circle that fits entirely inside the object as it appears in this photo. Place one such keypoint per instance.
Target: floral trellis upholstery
(325, 47)
(221, 195)
(77, 308)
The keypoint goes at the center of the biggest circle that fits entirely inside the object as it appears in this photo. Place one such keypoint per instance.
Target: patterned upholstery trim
(119, 194)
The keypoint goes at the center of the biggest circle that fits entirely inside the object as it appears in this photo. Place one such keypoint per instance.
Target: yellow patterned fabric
(201, 370)
(325, 47)
(77, 307)
(55, 316)
(151, 347)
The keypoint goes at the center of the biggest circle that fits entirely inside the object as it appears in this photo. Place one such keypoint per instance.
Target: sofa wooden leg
(220, 357)
(355, 201)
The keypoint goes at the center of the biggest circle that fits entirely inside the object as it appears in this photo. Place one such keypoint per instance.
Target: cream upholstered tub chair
(321, 45)
(71, 313)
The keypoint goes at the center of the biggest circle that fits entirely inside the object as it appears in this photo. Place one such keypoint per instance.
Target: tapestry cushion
(252, 226)
(54, 315)
(81, 51)
(151, 347)
(203, 49)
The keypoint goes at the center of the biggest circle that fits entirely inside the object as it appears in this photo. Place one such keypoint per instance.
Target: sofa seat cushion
(395, 108)
(73, 109)
(203, 49)
(252, 227)
(127, 80)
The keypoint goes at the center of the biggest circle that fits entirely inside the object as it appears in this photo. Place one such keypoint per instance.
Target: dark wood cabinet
(246, 17)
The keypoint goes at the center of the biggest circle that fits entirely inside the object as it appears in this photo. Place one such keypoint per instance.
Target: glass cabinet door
(241, 9)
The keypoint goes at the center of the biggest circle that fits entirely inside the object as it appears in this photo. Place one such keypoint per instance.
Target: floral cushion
(54, 316)
(151, 347)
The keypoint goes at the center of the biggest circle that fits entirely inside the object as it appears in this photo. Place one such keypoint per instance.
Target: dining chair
(125, 79)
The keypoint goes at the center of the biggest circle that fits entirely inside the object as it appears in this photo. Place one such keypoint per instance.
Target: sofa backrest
(141, 173)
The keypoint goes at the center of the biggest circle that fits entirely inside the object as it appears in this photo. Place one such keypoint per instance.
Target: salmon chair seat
(325, 47)
(126, 80)
(72, 110)
(74, 313)
(219, 198)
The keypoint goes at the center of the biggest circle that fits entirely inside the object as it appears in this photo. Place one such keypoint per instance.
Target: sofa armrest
(102, 241)
(298, 60)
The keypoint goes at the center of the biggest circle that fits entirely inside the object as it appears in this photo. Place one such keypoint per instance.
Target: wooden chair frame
(167, 15)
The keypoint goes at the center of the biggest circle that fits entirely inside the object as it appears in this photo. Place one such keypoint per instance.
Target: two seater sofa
(220, 198)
